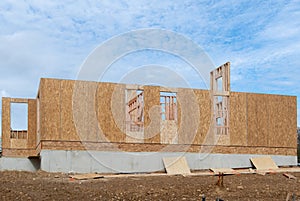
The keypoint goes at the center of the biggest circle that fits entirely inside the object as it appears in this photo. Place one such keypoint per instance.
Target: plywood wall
(32, 123)
(256, 120)
(238, 119)
(50, 109)
(282, 121)
(189, 116)
(204, 135)
(68, 128)
(10, 143)
(111, 111)
(82, 111)
(5, 123)
(262, 120)
(152, 115)
(168, 132)
(85, 110)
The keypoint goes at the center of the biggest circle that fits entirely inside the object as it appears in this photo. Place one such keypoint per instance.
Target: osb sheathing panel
(258, 120)
(5, 123)
(190, 116)
(203, 135)
(238, 119)
(152, 115)
(85, 110)
(18, 143)
(134, 137)
(32, 123)
(222, 139)
(68, 129)
(19, 152)
(282, 121)
(168, 132)
(111, 111)
(50, 109)
(259, 114)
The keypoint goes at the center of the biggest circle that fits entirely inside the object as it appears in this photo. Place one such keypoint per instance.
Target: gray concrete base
(138, 162)
(19, 164)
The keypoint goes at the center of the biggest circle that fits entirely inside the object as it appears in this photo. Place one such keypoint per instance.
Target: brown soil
(57, 186)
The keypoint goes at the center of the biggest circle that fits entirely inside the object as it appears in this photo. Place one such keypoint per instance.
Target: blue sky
(261, 39)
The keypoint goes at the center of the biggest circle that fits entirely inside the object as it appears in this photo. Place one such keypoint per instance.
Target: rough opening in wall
(220, 99)
(220, 121)
(19, 120)
(134, 110)
(220, 88)
(168, 103)
(220, 84)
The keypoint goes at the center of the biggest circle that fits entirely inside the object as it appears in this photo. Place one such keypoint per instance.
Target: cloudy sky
(53, 38)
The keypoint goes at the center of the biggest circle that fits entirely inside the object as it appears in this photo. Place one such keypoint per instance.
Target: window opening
(135, 110)
(19, 120)
(168, 103)
(220, 90)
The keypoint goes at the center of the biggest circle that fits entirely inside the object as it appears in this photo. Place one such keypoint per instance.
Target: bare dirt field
(57, 186)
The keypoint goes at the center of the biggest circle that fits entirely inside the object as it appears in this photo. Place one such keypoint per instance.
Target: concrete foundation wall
(19, 164)
(135, 162)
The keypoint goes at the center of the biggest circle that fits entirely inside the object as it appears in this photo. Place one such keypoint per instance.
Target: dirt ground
(57, 186)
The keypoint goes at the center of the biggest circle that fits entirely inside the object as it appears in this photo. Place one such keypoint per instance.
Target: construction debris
(175, 166)
(264, 163)
(225, 171)
(290, 176)
(86, 176)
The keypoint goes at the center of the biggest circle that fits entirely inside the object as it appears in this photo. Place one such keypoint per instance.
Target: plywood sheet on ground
(86, 176)
(264, 163)
(223, 170)
(176, 165)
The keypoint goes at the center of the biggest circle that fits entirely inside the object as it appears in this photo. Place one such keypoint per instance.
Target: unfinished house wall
(86, 126)
(95, 120)
(263, 123)
(15, 142)
(254, 118)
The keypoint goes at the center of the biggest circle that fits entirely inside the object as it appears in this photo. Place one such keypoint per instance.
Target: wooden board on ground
(223, 170)
(289, 176)
(86, 176)
(176, 165)
(264, 163)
